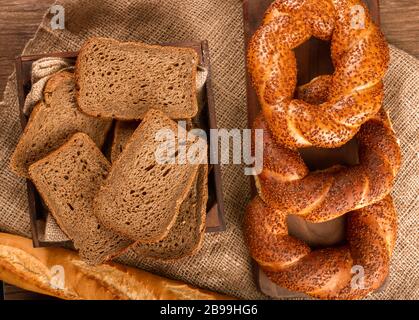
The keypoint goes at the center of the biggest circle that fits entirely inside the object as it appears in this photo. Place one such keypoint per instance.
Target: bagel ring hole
(329, 233)
(313, 59)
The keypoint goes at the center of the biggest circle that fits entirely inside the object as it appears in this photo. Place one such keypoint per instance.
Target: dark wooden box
(207, 120)
(313, 59)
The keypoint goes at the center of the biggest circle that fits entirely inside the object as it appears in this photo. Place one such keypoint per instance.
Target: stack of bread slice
(131, 200)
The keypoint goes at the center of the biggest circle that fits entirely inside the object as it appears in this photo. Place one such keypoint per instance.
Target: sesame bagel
(360, 57)
(325, 273)
(286, 183)
(286, 186)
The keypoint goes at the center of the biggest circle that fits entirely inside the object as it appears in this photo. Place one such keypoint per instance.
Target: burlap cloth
(223, 263)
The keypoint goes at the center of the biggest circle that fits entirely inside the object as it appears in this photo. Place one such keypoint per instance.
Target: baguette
(32, 269)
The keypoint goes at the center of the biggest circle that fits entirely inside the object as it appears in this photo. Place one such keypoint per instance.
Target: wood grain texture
(400, 24)
(19, 20)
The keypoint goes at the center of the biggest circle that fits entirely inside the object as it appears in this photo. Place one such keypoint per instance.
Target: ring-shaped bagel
(286, 183)
(360, 56)
(325, 273)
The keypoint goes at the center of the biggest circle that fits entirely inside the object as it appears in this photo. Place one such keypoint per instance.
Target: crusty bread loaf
(122, 132)
(67, 180)
(123, 80)
(141, 197)
(52, 122)
(35, 269)
(186, 236)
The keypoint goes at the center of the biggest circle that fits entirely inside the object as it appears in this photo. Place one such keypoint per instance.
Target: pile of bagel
(327, 112)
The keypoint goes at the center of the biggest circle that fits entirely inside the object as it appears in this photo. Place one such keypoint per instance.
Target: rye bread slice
(123, 80)
(141, 197)
(68, 180)
(53, 122)
(122, 132)
(186, 236)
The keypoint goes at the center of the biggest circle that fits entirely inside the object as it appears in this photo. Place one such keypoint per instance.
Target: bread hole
(98, 226)
(66, 177)
(150, 167)
(70, 206)
(127, 223)
(165, 173)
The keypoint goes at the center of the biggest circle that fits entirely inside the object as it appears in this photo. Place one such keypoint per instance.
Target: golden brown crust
(323, 273)
(286, 186)
(30, 268)
(285, 182)
(360, 56)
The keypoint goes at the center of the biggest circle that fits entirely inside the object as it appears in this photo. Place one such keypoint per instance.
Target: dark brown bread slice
(123, 131)
(53, 122)
(68, 180)
(141, 198)
(186, 236)
(122, 80)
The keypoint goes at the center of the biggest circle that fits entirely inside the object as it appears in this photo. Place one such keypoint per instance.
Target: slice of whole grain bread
(141, 196)
(122, 80)
(68, 180)
(122, 132)
(186, 236)
(52, 122)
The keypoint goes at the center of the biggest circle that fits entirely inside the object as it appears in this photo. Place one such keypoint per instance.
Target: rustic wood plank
(400, 24)
(19, 20)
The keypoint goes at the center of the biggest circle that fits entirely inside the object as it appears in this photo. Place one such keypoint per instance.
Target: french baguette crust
(105, 282)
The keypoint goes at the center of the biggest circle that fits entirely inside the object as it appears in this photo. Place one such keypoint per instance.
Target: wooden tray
(313, 58)
(207, 119)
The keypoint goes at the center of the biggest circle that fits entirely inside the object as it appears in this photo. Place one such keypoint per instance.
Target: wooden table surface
(19, 20)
